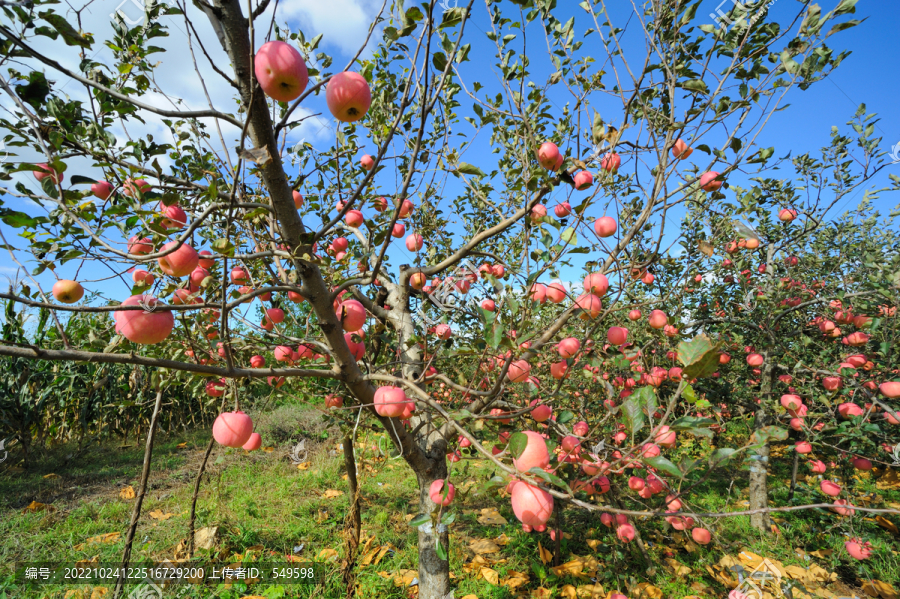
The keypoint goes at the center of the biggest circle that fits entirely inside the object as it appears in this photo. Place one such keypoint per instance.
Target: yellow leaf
(470, 596)
(36, 506)
(591, 591)
(821, 553)
(483, 546)
(677, 567)
(327, 554)
(100, 592)
(491, 517)
(127, 493)
(181, 445)
(889, 480)
(268, 449)
(110, 537)
(706, 248)
(593, 544)
(645, 590)
(514, 579)
(332, 493)
(490, 575)
(574, 567)
(51, 475)
(887, 525)
(404, 578)
(160, 515)
(304, 466)
(882, 589)
(568, 592)
(546, 556)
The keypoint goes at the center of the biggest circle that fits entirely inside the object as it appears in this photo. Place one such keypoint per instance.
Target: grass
(267, 508)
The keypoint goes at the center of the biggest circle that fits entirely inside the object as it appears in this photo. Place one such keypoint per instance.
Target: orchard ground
(266, 508)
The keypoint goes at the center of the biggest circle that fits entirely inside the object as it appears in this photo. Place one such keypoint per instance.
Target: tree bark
(136, 512)
(759, 469)
(434, 572)
(200, 472)
(353, 522)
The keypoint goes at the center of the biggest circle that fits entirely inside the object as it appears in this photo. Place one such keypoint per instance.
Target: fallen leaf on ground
(206, 538)
(568, 592)
(491, 517)
(490, 575)
(483, 546)
(127, 493)
(36, 506)
(268, 449)
(470, 597)
(645, 590)
(677, 567)
(181, 445)
(514, 579)
(160, 515)
(880, 589)
(327, 554)
(110, 537)
(304, 466)
(404, 578)
(821, 553)
(502, 540)
(591, 591)
(51, 475)
(573, 567)
(100, 592)
(332, 493)
(887, 525)
(546, 556)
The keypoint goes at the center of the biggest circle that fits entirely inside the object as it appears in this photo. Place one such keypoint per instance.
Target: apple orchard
(631, 272)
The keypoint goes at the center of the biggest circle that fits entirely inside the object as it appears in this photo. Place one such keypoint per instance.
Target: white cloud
(343, 23)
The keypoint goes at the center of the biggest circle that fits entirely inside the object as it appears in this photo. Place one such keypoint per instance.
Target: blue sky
(864, 77)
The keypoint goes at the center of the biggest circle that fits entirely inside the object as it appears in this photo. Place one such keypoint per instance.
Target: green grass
(263, 500)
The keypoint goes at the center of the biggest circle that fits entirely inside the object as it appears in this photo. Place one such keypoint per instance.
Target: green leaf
(419, 520)
(453, 17)
(699, 356)
(695, 85)
(721, 456)
(69, 34)
(634, 415)
(469, 169)
(79, 179)
(223, 246)
(769, 433)
(439, 60)
(688, 422)
(846, 6)
(569, 236)
(566, 416)
(439, 548)
(661, 463)
(689, 394)
(517, 444)
(549, 478)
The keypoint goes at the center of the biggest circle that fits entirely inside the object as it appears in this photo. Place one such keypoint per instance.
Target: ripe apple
(367, 162)
(132, 187)
(67, 292)
(101, 189)
(148, 326)
(399, 230)
(44, 170)
(583, 180)
(139, 247)
(611, 162)
(354, 218)
(562, 210)
(708, 181)
(681, 151)
(281, 71)
(414, 242)
(298, 199)
(348, 96)
(605, 226)
(548, 155)
(180, 262)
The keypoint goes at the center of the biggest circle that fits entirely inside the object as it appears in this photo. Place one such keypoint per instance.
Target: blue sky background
(867, 76)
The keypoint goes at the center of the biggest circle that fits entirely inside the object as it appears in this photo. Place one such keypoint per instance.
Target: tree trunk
(353, 522)
(434, 572)
(759, 490)
(136, 512)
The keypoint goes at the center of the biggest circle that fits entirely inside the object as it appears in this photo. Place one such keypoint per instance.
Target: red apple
(281, 71)
(348, 96)
(67, 292)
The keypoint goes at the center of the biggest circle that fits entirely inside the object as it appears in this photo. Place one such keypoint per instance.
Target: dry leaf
(36, 506)
(332, 493)
(887, 525)
(75, 594)
(883, 589)
(645, 590)
(404, 578)
(502, 540)
(490, 575)
(706, 248)
(889, 480)
(51, 475)
(100, 592)
(127, 493)
(160, 515)
(304, 466)
(483, 546)
(594, 543)
(327, 554)
(591, 591)
(514, 579)
(268, 449)
(546, 556)
(110, 537)
(821, 553)
(490, 517)
(470, 596)
(181, 445)
(574, 567)
(206, 538)
(568, 592)
(677, 567)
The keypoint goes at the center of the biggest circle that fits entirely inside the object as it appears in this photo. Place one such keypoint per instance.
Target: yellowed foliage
(268, 449)
(127, 493)
(50, 476)
(502, 540)
(36, 506)
(887, 525)
(181, 445)
(332, 493)
(483, 546)
(491, 517)
(514, 579)
(100, 592)
(160, 515)
(593, 543)
(404, 577)
(888, 481)
(545, 555)
(568, 592)
(880, 589)
(110, 537)
(645, 590)
(327, 554)
(304, 466)
(677, 567)
(591, 591)
(490, 575)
